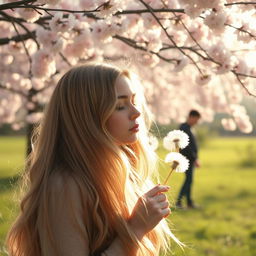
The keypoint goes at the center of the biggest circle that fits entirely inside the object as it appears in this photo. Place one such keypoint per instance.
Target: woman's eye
(119, 107)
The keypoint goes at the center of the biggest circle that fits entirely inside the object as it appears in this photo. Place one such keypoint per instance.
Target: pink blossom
(203, 79)
(244, 36)
(210, 4)
(244, 124)
(192, 2)
(153, 39)
(16, 126)
(25, 84)
(59, 24)
(181, 64)
(46, 37)
(7, 113)
(173, 4)
(5, 29)
(71, 39)
(149, 21)
(242, 67)
(34, 117)
(216, 21)
(50, 2)
(225, 67)
(228, 124)
(149, 60)
(192, 11)
(30, 105)
(28, 14)
(131, 25)
(219, 101)
(37, 84)
(16, 47)
(156, 4)
(88, 4)
(7, 59)
(81, 47)
(43, 64)
(237, 110)
(178, 36)
(108, 8)
(198, 31)
(246, 31)
(103, 31)
(219, 52)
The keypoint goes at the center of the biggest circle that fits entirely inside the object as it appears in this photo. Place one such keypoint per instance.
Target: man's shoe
(179, 206)
(193, 206)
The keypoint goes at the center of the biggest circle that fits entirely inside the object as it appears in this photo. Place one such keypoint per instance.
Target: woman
(88, 178)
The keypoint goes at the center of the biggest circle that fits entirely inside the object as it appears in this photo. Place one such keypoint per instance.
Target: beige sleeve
(66, 220)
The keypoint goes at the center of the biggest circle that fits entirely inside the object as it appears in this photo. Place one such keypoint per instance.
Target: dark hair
(194, 112)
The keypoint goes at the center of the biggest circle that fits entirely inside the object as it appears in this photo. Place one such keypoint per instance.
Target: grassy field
(225, 187)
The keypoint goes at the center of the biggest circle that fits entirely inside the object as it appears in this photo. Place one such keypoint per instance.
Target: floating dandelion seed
(153, 142)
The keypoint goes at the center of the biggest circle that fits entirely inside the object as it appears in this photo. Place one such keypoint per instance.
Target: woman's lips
(135, 128)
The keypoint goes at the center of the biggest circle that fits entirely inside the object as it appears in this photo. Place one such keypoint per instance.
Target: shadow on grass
(7, 183)
(201, 233)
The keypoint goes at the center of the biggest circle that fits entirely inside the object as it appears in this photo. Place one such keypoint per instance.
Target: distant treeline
(204, 129)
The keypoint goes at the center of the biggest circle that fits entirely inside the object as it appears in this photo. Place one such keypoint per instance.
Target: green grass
(224, 186)
(11, 163)
(225, 226)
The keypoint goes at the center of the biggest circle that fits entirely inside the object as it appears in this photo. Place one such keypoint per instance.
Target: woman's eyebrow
(125, 96)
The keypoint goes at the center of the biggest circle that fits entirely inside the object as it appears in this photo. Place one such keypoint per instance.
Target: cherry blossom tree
(188, 53)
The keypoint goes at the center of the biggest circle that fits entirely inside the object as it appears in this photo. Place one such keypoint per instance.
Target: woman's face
(122, 123)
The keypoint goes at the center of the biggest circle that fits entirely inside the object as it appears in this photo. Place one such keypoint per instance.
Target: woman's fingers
(164, 204)
(150, 209)
(160, 197)
(166, 212)
(157, 189)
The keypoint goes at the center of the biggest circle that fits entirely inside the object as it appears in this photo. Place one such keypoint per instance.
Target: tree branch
(3, 87)
(169, 37)
(133, 44)
(15, 4)
(19, 22)
(18, 38)
(238, 3)
(242, 30)
(26, 50)
(242, 84)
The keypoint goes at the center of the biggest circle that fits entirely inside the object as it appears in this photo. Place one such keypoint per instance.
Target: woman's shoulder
(63, 184)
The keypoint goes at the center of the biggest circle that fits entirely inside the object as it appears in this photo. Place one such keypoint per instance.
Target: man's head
(193, 117)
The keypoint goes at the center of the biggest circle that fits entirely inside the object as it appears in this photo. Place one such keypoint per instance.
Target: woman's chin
(131, 140)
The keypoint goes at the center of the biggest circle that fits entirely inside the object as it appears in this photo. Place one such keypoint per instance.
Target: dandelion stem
(177, 148)
(168, 176)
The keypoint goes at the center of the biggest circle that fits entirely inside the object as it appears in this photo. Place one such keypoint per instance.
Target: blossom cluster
(201, 48)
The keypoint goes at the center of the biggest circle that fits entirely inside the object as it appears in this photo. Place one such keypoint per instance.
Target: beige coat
(67, 221)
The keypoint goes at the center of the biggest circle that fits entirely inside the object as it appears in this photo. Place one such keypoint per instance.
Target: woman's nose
(135, 114)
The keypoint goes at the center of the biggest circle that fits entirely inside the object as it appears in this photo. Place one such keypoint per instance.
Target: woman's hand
(149, 210)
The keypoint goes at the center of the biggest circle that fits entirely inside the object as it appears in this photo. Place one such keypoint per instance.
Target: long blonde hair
(73, 140)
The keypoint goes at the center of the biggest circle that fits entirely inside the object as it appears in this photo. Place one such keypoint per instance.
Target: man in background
(191, 152)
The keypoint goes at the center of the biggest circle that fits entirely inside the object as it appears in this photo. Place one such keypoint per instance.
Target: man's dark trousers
(186, 187)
